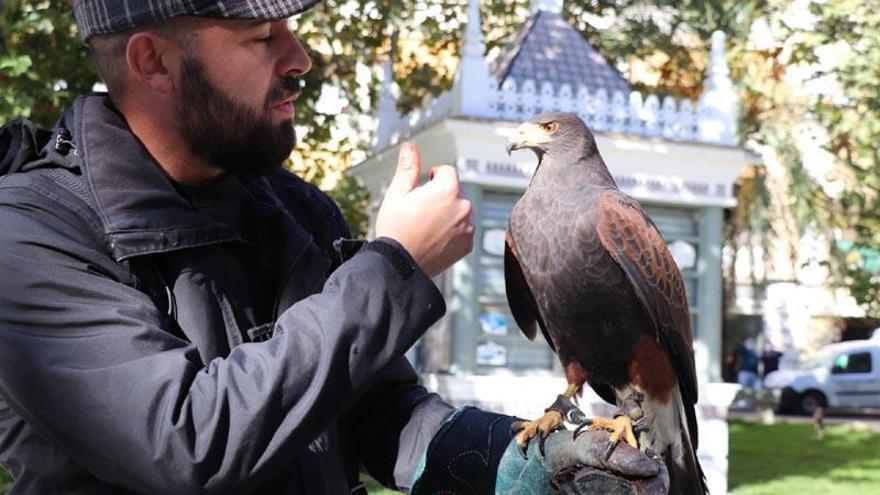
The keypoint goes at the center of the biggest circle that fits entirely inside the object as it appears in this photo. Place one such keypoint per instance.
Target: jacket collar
(140, 209)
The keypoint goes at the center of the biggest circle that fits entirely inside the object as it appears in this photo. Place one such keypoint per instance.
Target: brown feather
(519, 297)
(636, 245)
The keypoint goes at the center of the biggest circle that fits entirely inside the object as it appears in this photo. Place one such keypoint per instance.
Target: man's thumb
(406, 176)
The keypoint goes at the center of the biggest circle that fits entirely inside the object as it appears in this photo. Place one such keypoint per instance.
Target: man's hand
(578, 467)
(433, 221)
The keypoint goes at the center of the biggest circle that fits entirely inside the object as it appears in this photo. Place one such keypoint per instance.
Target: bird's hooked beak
(527, 135)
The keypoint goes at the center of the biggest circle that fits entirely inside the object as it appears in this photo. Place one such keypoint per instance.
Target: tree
(43, 64)
(778, 52)
(844, 51)
(809, 79)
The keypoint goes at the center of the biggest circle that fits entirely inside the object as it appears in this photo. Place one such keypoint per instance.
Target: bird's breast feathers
(555, 232)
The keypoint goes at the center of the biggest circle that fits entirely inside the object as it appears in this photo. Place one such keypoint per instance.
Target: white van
(841, 375)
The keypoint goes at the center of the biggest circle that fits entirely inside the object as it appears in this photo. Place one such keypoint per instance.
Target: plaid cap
(114, 16)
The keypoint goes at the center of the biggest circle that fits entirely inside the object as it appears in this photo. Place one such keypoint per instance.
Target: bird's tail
(686, 477)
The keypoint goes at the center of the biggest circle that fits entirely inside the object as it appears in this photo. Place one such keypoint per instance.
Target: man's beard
(227, 133)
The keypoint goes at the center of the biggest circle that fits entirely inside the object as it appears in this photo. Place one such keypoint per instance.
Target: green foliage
(5, 481)
(354, 201)
(853, 124)
(43, 65)
(787, 458)
(842, 49)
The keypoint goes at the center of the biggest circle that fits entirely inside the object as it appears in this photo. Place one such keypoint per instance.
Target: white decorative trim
(619, 113)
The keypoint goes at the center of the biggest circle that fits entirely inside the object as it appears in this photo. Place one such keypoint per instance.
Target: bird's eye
(549, 127)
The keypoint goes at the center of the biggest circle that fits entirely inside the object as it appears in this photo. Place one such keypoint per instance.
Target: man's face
(238, 81)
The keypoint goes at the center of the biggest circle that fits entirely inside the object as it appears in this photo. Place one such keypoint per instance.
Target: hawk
(584, 264)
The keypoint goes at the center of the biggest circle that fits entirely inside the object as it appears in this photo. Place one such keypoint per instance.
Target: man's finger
(406, 176)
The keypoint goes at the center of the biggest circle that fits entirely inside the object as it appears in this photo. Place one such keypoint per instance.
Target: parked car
(843, 375)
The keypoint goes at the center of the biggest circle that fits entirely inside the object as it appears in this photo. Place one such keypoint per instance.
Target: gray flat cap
(114, 16)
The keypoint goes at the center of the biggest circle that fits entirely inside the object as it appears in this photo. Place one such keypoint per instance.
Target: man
(174, 317)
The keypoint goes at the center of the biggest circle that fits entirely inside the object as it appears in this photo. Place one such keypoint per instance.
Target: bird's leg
(632, 407)
(623, 426)
(553, 419)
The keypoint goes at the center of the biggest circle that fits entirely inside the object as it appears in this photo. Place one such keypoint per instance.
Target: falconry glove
(474, 453)
(579, 467)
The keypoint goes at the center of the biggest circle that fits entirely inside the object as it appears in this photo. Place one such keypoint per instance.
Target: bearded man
(175, 316)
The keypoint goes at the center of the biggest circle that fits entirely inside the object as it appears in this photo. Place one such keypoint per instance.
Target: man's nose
(295, 60)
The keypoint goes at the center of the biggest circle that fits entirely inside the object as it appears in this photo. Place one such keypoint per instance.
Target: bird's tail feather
(686, 477)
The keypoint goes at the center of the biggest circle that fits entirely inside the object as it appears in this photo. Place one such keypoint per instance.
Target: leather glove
(474, 452)
(577, 467)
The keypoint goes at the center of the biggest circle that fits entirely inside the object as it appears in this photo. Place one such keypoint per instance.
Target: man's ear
(148, 56)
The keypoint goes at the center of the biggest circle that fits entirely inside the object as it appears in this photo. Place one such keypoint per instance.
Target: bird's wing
(635, 244)
(519, 295)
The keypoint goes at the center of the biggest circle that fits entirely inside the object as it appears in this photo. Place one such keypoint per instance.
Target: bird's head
(547, 132)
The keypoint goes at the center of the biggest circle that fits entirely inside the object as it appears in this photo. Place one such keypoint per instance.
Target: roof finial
(473, 36)
(554, 6)
(718, 59)
(472, 80)
(386, 107)
(719, 102)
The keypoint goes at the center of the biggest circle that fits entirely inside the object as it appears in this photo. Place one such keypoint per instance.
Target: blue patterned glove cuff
(518, 476)
(463, 456)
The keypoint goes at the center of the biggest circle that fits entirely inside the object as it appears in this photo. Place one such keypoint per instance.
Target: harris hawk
(585, 264)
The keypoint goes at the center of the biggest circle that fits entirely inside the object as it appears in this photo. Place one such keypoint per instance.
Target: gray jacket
(136, 356)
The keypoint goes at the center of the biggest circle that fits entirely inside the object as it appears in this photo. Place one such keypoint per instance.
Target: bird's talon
(541, 427)
(577, 431)
(621, 429)
(541, 438)
(609, 449)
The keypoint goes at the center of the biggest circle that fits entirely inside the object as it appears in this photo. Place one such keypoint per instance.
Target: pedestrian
(747, 365)
(178, 314)
(769, 359)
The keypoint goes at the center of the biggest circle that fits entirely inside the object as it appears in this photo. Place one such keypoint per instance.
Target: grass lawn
(788, 459)
(374, 488)
(5, 480)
